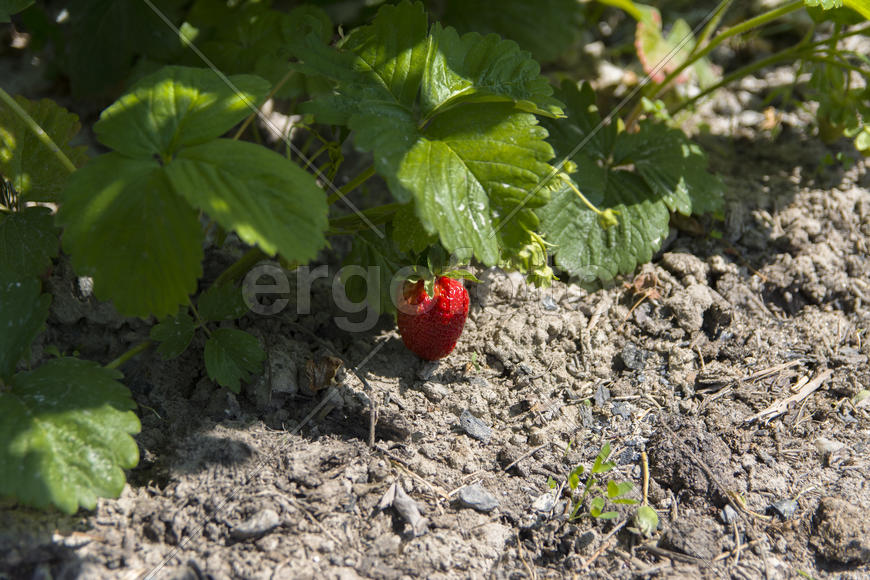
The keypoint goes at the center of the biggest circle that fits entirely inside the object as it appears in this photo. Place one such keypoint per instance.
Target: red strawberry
(430, 327)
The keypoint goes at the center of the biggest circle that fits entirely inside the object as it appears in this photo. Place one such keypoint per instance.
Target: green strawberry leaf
(32, 168)
(447, 119)
(408, 233)
(673, 167)
(596, 506)
(65, 435)
(28, 241)
(174, 334)
(587, 250)
(23, 311)
(250, 37)
(10, 7)
(268, 200)
(557, 23)
(525, 250)
(369, 268)
(232, 356)
(126, 228)
(223, 302)
(574, 477)
(633, 180)
(177, 107)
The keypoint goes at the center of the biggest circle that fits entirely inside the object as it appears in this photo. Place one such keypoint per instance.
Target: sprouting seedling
(613, 492)
(646, 520)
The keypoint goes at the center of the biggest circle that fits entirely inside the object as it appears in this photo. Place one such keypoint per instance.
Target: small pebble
(729, 515)
(475, 427)
(584, 540)
(632, 357)
(260, 523)
(601, 396)
(784, 508)
(537, 436)
(628, 456)
(827, 446)
(435, 392)
(544, 502)
(476, 497)
(428, 370)
(622, 409)
(549, 304)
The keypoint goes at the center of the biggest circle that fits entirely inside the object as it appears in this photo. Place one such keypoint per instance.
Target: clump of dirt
(730, 363)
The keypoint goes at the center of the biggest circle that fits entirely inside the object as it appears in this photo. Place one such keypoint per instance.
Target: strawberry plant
(484, 158)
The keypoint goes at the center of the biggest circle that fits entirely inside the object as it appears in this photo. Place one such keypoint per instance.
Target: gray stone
(259, 524)
(686, 266)
(544, 502)
(700, 538)
(476, 497)
(622, 409)
(435, 392)
(633, 357)
(601, 396)
(784, 508)
(549, 304)
(475, 427)
(728, 515)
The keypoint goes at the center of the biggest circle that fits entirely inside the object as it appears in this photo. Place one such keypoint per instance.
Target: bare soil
(688, 364)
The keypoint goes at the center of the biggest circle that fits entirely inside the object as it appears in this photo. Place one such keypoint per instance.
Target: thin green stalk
(787, 54)
(314, 156)
(137, 349)
(711, 25)
(351, 185)
(37, 130)
(241, 266)
(800, 50)
(735, 30)
(836, 62)
(582, 197)
(200, 323)
(696, 55)
(349, 224)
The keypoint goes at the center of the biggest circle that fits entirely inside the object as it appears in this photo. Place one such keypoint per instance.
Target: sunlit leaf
(127, 228)
(268, 200)
(31, 167)
(177, 107)
(65, 435)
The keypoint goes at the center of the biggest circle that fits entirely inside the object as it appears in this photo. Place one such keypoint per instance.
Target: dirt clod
(842, 531)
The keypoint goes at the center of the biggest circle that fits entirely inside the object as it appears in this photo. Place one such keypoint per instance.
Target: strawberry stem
(351, 185)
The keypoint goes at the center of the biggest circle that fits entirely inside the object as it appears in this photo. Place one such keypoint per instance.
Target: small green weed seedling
(595, 486)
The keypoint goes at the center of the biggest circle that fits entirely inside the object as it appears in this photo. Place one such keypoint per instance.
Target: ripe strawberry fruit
(430, 326)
